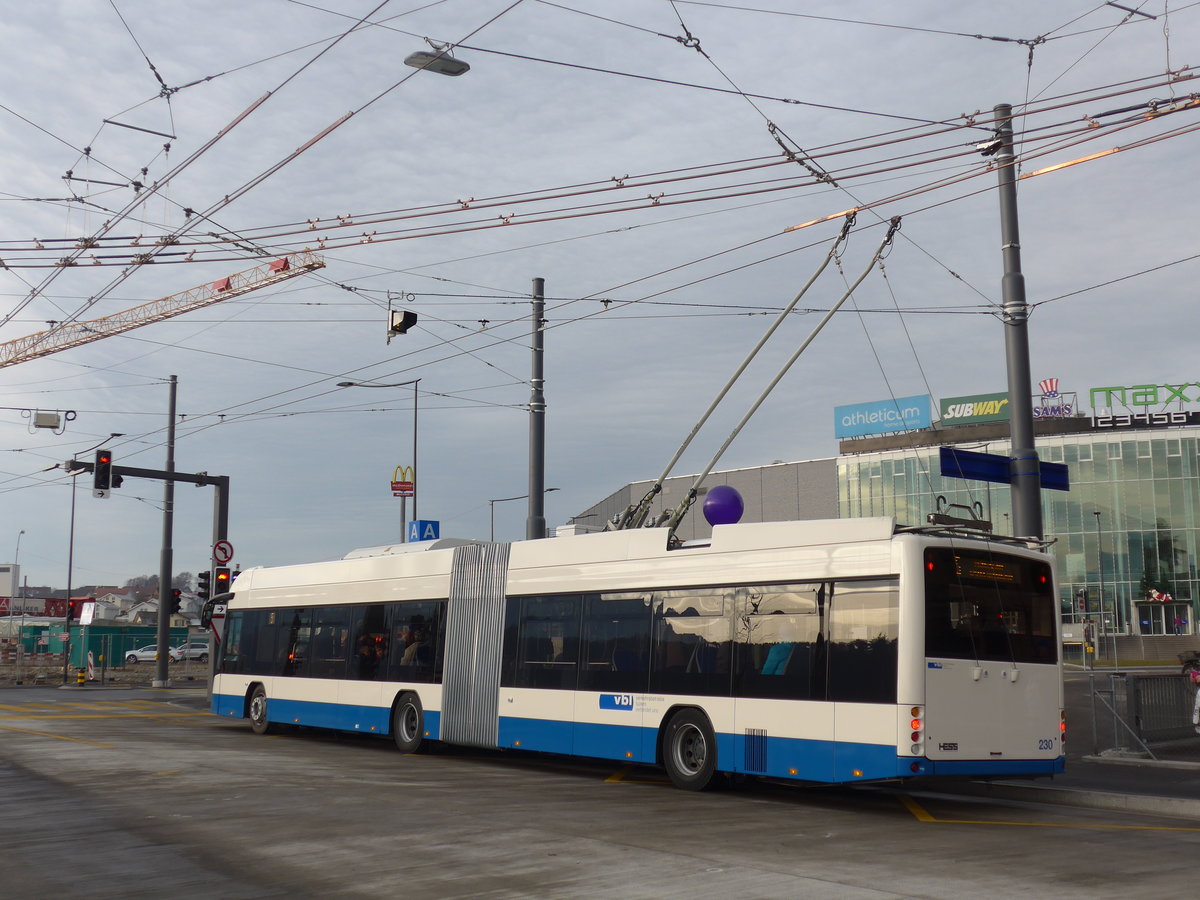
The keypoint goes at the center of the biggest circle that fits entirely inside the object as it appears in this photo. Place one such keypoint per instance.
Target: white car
(149, 653)
(197, 650)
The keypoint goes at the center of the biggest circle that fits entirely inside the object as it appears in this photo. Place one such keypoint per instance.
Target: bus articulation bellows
(828, 651)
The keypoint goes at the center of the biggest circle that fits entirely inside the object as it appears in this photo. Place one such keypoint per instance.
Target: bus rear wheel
(408, 724)
(259, 723)
(690, 750)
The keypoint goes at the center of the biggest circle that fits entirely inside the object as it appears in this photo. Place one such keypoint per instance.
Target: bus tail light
(917, 724)
(1062, 727)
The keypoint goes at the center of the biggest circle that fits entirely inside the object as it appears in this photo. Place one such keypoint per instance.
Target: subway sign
(882, 416)
(975, 408)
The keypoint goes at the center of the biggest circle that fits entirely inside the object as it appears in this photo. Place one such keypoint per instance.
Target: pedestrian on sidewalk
(1194, 679)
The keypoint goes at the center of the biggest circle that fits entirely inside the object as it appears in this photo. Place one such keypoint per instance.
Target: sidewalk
(1163, 787)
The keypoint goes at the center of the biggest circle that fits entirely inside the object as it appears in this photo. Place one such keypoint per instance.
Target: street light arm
(414, 382)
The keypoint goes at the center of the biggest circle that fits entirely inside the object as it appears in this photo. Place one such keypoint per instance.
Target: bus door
(610, 706)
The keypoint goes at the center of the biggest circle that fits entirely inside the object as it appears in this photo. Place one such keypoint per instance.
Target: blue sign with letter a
(424, 530)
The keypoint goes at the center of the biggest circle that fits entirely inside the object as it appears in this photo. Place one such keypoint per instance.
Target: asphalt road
(131, 793)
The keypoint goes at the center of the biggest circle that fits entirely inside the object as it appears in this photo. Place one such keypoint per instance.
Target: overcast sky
(655, 207)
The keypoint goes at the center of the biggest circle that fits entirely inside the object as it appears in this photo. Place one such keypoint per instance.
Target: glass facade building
(1125, 535)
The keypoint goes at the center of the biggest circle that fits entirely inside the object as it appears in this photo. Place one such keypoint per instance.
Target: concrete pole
(535, 523)
(161, 666)
(1024, 466)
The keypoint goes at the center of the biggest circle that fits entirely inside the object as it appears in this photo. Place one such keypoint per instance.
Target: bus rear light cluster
(917, 724)
(1062, 727)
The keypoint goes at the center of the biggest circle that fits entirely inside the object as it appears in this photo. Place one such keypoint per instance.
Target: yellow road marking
(923, 815)
(915, 808)
(58, 737)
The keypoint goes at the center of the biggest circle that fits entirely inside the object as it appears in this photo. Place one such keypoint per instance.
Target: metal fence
(1144, 715)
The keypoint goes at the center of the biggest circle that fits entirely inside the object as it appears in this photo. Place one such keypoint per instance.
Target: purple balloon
(723, 505)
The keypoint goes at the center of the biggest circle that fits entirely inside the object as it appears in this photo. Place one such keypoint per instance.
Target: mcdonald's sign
(404, 481)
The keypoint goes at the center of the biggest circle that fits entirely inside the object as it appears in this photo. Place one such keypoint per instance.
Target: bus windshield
(988, 606)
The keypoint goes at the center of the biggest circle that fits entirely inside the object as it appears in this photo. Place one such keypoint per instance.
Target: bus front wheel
(259, 723)
(690, 750)
(408, 724)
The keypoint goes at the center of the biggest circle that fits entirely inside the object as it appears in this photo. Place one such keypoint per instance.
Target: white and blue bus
(828, 651)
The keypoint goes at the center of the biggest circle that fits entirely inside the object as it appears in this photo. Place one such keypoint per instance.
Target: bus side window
(258, 642)
(330, 642)
(293, 636)
(547, 642)
(778, 634)
(692, 643)
(370, 643)
(616, 644)
(863, 630)
(416, 630)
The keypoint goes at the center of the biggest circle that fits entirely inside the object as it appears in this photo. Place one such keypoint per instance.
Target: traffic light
(402, 321)
(204, 585)
(221, 581)
(102, 474)
(1081, 596)
(176, 597)
(73, 605)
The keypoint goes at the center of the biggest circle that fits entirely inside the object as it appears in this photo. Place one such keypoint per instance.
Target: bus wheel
(690, 750)
(408, 724)
(259, 723)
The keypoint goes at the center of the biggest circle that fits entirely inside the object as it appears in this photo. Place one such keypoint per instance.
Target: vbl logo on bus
(616, 701)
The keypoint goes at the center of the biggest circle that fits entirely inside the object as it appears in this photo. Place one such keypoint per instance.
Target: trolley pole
(161, 664)
(535, 524)
(1024, 466)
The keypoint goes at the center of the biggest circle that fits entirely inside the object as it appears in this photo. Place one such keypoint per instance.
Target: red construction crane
(74, 334)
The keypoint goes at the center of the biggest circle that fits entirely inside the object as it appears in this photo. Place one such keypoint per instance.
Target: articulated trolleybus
(828, 651)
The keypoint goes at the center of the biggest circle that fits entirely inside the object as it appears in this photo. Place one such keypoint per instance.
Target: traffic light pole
(220, 514)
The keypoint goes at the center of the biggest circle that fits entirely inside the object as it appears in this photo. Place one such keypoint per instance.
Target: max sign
(1144, 395)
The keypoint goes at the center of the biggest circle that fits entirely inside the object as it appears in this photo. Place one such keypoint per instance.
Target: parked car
(149, 653)
(197, 650)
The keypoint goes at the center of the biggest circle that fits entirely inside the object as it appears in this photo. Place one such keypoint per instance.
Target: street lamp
(1100, 573)
(492, 510)
(414, 383)
(439, 61)
(17, 568)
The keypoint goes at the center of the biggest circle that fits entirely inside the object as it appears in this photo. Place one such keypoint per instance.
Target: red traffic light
(221, 580)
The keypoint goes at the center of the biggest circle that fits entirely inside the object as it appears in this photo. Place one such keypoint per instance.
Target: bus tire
(408, 723)
(689, 750)
(257, 710)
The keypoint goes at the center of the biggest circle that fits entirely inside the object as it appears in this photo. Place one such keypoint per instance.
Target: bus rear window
(988, 606)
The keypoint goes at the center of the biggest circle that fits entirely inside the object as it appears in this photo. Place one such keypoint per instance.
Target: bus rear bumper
(990, 768)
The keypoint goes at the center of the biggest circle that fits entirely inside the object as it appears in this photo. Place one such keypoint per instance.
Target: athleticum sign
(882, 416)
